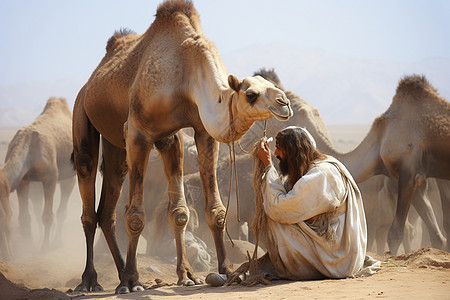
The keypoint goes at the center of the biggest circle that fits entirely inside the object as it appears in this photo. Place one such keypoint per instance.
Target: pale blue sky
(60, 40)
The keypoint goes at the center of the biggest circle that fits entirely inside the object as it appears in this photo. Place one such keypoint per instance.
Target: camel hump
(414, 87)
(270, 75)
(111, 44)
(55, 104)
(170, 8)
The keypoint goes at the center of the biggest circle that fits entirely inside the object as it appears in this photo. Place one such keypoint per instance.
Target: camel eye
(251, 97)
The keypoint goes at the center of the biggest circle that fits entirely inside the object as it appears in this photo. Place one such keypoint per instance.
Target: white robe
(302, 254)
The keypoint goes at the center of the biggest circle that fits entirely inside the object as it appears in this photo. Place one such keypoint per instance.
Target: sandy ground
(424, 274)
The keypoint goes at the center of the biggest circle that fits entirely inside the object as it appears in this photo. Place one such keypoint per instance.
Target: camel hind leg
(406, 189)
(49, 187)
(412, 189)
(66, 187)
(86, 142)
(114, 170)
(171, 150)
(444, 191)
(24, 212)
(137, 152)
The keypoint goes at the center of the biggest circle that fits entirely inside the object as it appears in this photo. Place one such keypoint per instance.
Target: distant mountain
(346, 90)
(21, 103)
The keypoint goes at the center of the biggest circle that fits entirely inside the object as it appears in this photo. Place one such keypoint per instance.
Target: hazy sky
(60, 40)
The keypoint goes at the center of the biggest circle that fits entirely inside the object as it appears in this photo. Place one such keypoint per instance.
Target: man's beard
(284, 166)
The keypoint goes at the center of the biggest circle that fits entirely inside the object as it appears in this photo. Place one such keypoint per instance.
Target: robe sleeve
(319, 191)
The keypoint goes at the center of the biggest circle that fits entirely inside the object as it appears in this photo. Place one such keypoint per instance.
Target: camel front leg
(406, 189)
(5, 220)
(137, 150)
(387, 203)
(171, 150)
(208, 150)
(5, 231)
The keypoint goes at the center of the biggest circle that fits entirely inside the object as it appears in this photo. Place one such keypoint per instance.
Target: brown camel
(409, 143)
(41, 152)
(146, 88)
(155, 189)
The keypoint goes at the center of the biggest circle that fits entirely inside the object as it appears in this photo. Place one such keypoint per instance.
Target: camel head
(258, 99)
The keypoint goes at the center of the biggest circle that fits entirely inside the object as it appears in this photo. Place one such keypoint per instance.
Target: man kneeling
(314, 224)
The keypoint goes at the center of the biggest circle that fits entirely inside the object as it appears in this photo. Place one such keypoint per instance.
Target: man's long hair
(299, 153)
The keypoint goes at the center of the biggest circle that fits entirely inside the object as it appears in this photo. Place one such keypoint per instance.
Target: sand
(423, 274)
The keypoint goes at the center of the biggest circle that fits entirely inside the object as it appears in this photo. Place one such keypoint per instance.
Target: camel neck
(363, 161)
(220, 116)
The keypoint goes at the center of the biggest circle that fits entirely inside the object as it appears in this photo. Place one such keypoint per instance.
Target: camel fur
(146, 88)
(372, 189)
(409, 143)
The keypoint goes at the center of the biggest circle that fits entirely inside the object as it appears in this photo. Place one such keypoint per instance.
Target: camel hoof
(199, 281)
(187, 282)
(137, 288)
(98, 288)
(122, 290)
(81, 288)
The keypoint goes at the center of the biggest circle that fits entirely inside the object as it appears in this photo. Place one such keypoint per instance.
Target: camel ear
(234, 83)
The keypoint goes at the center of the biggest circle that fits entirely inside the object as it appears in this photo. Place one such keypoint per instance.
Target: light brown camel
(409, 142)
(146, 88)
(304, 115)
(309, 117)
(41, 152)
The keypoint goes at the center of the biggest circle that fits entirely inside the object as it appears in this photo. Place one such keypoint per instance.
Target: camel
(41, 152)
(307, 116)
(379, 192)
(409, 143)
(145, 89)
(155, 189)
(304, 115)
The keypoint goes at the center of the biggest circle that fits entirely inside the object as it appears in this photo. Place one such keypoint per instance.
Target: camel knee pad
(89, 223)
(180, 216)
(135, 224)
(220, 219)
(134, 220)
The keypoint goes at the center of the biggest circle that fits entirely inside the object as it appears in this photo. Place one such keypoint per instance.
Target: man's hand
(264, 153)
